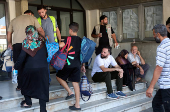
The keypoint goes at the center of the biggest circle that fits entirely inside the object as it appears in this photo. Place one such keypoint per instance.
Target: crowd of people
(30, 58)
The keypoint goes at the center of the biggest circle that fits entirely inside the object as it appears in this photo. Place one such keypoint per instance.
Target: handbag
(59, 58)
(85, 88)
(52, 48)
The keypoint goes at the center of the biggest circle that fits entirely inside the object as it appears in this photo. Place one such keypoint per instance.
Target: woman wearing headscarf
(35, 73)
(127, 68)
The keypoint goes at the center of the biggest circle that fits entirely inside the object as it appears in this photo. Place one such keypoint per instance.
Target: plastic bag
(7, 52)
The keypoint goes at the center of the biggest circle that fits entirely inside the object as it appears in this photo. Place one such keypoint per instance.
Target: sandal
(74, 108)
(23, 102)
(69, 97)
(17, 89)
(28, 106)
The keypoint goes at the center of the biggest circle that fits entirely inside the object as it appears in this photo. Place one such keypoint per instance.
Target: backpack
(85, 87)
(52, 48)
(87, 49)
(59, 58)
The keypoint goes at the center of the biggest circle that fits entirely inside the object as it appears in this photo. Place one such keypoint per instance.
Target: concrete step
(136, 106)
(54, 93)
(61, 103)
(148, 110)
(105, 104)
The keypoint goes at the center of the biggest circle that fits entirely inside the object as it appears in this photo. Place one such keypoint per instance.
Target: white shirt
(132, 59)
(99, 62)
(163, 60)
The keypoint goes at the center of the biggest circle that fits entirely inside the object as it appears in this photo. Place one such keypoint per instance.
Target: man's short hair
(160, 28)
(28, 11)
(41, 7)
(74, 26)
(109, 48)
(102, 17)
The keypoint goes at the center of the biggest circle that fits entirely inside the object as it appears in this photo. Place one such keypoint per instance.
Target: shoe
(74, 108)
(130, 87)
(120, 93)
(69, 97)
(112, 96)
(17, 89)
(22, 103)
(0, 97)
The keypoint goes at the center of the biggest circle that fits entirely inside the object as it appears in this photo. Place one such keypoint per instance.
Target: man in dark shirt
(103, 33)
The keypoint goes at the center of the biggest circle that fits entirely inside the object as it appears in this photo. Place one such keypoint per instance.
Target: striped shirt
(163, 60)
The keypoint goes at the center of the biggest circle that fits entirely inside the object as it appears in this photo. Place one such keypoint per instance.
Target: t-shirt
(163, 60)
(132, 59)
(47, 26)
(104, 40)
(74, 58)
(18, 26)
(99, 62)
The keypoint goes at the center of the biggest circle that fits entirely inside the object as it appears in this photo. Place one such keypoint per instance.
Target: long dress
(128, 71)
(35, 78)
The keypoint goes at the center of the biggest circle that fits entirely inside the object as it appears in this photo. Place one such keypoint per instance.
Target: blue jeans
(162, 98)
(49, 73)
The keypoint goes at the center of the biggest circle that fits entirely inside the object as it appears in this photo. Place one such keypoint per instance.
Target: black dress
(35, 78)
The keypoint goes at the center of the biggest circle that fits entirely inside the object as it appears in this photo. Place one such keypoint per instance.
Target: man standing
(49, 25)
(103, 34)
(0, 97)
(101, 72)
(136, 59)
(17, 26)
(161, 72)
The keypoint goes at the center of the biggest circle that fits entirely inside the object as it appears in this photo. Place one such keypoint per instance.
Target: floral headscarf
(32, 41)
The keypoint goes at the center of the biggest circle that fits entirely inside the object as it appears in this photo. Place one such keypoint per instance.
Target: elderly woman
(35, 73)
(127, 68)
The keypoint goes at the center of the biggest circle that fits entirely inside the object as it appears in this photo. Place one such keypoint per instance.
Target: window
(130, 23)
(135, 22)
(3, 41)
(78, 17)
(153, 16)
(2, 20)
(112, 19)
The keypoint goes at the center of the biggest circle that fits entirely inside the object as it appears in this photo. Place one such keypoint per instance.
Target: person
(103, 34)
(35, 71)
(127, 67)
(161, 72)
(168, 27)
(17, 26)
(0, 97)
(49, 25)
(136, 59)
(101, 72)
(71, 70)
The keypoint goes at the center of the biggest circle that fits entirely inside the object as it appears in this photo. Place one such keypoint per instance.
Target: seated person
(127, 68)
(101, 73)
(136, 59)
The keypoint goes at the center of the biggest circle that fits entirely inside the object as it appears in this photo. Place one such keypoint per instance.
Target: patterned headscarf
(32, 41)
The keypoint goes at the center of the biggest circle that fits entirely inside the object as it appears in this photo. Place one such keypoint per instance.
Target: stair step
(148, 110)
(104, 104)
(54, 93)
(61, 103)
(136, 106)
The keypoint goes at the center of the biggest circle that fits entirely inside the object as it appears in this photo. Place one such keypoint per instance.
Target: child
(71, 70)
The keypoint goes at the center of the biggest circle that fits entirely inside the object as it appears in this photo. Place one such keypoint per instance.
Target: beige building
(132, 20)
